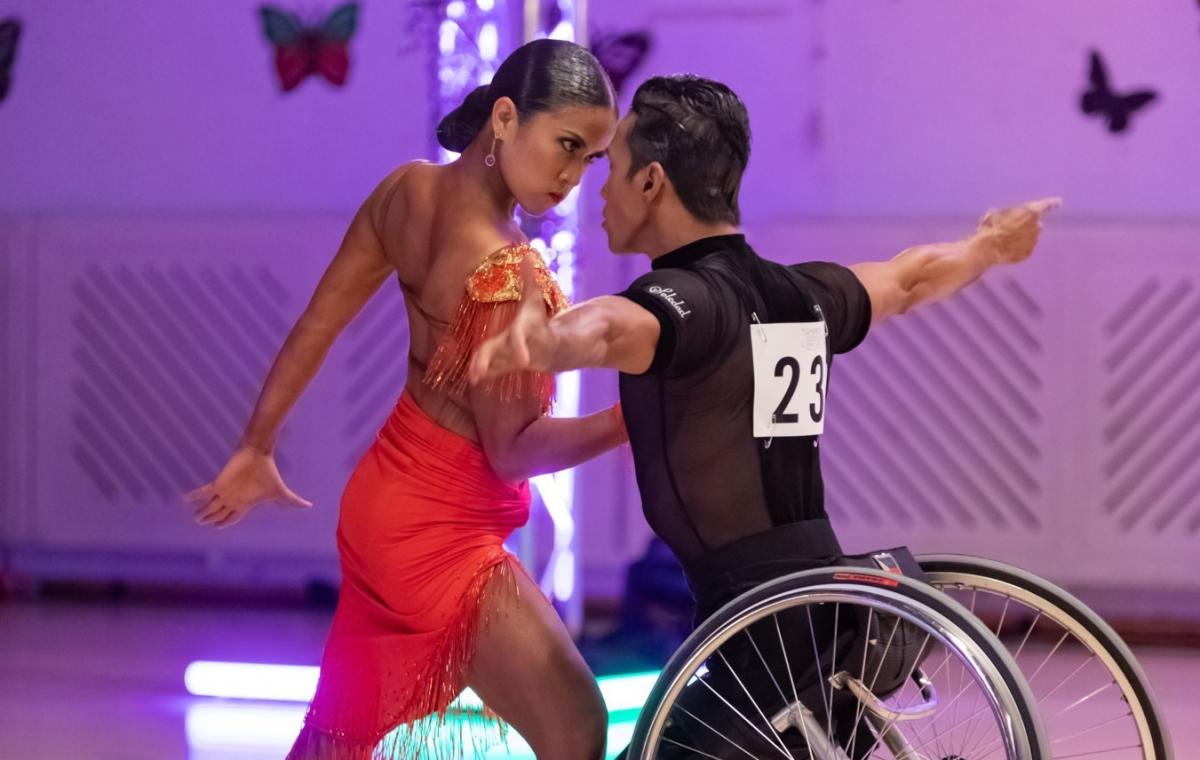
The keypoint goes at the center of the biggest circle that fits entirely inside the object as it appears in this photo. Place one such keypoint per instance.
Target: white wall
(174, 105)
(167, 113)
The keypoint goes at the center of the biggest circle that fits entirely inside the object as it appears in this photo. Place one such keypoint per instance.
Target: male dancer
(725, 356)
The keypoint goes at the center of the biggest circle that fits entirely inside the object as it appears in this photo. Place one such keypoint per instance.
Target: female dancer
(430, 599)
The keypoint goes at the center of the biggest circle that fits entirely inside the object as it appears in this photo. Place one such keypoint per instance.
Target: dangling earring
(490, 159)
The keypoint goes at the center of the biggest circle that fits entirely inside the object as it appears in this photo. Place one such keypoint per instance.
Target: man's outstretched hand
(1011, 234)
(527, 344)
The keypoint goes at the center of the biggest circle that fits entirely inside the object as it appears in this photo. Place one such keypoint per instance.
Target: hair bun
(460, 127)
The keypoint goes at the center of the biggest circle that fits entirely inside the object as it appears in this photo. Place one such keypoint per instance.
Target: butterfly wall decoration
(303, 49)
(10, 34)
(621, 53)
(1102, 101)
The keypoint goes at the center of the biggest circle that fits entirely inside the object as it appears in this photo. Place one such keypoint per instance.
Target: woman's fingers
(205, 508)
(201, 494)
(228, 517)
(291, 497)
(211, 512)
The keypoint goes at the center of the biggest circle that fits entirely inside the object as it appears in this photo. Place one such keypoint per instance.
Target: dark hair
(699, 131)
(539, 76)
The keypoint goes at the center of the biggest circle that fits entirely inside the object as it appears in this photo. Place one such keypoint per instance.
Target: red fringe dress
(420, 536)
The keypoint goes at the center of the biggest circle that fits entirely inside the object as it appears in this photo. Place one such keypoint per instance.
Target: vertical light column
(471, 34)
(469, 50)
(555, 235)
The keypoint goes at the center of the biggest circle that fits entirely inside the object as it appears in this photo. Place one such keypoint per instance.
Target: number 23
(817, 410)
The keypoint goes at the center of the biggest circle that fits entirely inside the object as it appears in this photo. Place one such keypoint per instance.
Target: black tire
(1067, 611)
(902, 594)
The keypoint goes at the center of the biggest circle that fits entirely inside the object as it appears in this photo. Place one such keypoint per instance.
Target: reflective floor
(92, 681)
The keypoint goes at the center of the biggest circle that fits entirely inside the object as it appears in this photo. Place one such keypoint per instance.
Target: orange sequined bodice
(491, 300)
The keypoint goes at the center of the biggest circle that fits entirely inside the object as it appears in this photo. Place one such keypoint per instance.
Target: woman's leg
(312, 744)
(527, 669)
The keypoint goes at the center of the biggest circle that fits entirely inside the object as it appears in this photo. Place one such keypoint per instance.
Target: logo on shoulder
(670, 296)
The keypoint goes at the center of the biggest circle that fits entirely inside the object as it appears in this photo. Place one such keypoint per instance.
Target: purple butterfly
(10, 32)
(1101, 100)
(552, 16)
(621, 53)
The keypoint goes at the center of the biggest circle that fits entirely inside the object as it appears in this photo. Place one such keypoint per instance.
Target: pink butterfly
(302, 49)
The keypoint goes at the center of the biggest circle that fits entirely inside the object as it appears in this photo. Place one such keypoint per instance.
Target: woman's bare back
(435, 235)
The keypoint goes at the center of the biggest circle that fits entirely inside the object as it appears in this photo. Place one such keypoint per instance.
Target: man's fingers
(490, 360)
(1045, 205)
(529, 285)
(533, 304)
(531, 298)
(1018, 215)
(479, 363)
(516, 341)
(509, 351)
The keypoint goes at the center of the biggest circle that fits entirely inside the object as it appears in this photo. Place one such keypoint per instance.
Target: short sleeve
(844, 302)
(688, 315)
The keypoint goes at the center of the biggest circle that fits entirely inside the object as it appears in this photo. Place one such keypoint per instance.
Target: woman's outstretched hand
(248, 479)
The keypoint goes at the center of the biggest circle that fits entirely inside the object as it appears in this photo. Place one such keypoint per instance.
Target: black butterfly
(621, 54)
(10, 32)
(1101, 100)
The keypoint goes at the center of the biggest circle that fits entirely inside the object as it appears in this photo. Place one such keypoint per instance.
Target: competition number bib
(791, 378)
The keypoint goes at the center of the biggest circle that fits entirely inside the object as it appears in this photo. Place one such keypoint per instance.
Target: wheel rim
(1088, 705)
(971, 722)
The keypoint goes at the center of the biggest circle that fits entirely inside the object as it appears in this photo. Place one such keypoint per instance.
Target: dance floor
(98, 681)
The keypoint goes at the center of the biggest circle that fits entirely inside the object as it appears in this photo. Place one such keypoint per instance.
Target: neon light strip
(215, 725)
(233, 680)
(297, 683)
(224, 731)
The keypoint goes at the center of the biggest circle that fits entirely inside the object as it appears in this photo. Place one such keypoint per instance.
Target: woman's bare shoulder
(402, 194)
(410, 202)
(414, 178)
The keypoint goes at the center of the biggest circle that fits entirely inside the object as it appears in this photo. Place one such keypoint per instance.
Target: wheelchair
(979, 660)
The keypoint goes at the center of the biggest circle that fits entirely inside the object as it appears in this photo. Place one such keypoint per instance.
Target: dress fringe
(492, 299)
(443, 731)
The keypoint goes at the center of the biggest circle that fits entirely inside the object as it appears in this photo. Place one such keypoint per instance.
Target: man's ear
(654, 180)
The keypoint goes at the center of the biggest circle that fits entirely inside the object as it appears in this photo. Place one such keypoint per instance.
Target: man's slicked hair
(698, 129)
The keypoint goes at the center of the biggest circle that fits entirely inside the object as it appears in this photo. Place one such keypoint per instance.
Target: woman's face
(542, 157)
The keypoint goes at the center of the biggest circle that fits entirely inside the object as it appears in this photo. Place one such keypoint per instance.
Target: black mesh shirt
(705, 480)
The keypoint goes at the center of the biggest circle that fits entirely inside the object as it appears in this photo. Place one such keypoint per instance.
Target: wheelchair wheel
(1092, 695)
(840, 664)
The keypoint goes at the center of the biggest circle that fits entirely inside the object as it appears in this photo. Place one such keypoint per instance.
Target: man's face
(625, 208)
